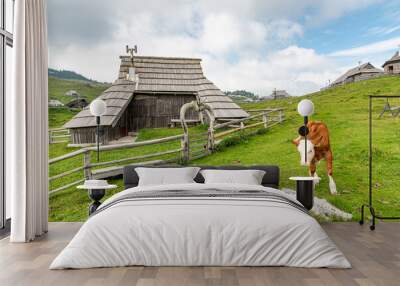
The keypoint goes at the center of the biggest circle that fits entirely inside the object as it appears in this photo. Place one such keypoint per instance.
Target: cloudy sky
(257, 45)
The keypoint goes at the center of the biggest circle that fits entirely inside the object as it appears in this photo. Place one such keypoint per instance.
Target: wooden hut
(279, 94)
(77, 103)
(361, 72)
(55, 103)
(73, 93)
(392, 66)
(152, 97)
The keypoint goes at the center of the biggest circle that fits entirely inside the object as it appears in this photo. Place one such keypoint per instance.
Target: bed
(201, 224)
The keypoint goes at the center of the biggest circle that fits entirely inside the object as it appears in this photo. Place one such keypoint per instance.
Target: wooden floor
(375, 257)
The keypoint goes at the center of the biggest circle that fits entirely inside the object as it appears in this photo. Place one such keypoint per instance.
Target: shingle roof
(364, 68)
(394, 59)
(117, 98)
(159, 75)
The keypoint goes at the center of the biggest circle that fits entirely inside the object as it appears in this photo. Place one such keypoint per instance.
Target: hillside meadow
(344, 109)
(88, 90)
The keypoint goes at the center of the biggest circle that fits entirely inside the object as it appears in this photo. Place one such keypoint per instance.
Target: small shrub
(262, 131)
(229, 141)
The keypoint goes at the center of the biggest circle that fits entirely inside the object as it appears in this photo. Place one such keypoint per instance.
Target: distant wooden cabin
(72, 93)
(163, 85)
(77, 103)
(361, 72)
(55, 103)
(392, 66)
(279, 94)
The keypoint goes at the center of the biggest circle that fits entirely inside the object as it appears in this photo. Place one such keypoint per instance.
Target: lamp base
(305, 193)
(305, 190)
(96, 195)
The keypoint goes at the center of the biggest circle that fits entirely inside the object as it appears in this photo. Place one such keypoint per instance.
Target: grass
(71, 204)
(345, 111)
(58, 116)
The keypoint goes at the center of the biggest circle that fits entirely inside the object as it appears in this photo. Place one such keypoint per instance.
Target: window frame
(6, 39)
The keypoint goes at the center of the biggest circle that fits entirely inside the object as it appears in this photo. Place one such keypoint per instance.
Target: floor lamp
(305, 185)
(98, 108)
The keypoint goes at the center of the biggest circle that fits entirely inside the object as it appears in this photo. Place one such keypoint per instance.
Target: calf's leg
(329, 166)
(313, 172)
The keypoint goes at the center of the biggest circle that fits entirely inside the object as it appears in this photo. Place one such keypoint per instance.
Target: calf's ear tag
(303, 131)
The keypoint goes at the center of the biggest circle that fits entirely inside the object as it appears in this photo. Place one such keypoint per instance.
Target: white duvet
(200, 231)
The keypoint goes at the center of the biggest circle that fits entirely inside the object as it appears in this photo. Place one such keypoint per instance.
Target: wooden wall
(152, 111)
(145, 111)
(363, 76)
(395, 68)
(88, 135)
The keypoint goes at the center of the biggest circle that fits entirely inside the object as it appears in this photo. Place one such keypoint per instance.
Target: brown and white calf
(318, 148)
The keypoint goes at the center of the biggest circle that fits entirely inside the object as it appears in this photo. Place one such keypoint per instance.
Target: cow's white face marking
(310, 152)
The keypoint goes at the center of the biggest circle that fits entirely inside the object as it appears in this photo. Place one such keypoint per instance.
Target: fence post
(50, 137)
(265, 119)
(210, 140)
(86, 164)
(201, 117)
(185, 148)
(280, 115)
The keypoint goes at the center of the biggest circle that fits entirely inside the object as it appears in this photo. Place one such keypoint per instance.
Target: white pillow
(247, 177)
(166, 176)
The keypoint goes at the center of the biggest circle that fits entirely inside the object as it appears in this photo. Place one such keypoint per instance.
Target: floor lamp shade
(98, 107)
(305, 107)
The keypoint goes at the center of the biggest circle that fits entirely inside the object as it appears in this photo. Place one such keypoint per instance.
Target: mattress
(200, 225)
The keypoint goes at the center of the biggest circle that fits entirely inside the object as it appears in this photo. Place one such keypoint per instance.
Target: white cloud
(244, 44)
(295, 69)
(93, 63)
(383, 30)
(284, 30)
(329, 10)
(378, 47)
(223, 33)
(217, 37)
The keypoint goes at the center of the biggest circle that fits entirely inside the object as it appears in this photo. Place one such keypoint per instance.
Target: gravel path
(323, 208)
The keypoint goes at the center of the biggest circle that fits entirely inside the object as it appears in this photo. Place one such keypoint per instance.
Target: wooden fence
(59, 135)
(191, 147)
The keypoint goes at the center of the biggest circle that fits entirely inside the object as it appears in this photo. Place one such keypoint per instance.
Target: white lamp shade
(305, 107)
(98, 107)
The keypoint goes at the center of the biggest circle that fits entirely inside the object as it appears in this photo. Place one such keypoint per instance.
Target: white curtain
(26, 120)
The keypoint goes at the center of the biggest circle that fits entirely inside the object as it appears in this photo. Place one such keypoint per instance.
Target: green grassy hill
(57, 89)
(89, 90)
(345, 110)
(69, 75)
